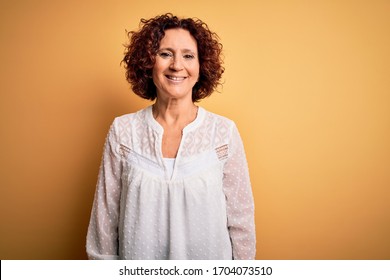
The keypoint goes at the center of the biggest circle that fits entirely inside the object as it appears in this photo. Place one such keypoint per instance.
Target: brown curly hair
(140, 54)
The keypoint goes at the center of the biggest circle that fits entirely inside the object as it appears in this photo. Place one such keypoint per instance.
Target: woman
(174, 182)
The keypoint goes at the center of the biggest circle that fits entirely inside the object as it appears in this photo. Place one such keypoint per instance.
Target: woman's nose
(177, 63)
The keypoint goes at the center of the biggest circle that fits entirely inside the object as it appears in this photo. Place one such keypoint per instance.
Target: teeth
(175, 78)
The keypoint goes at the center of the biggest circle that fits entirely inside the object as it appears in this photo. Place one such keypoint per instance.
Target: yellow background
(307, 82)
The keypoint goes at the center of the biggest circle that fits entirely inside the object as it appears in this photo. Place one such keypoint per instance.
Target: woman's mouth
(175, 78)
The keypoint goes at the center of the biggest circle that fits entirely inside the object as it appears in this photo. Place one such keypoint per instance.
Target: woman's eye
(165, 54)
(189, 56)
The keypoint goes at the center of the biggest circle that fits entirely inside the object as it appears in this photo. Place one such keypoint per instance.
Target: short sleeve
(102, 236)
(239, 199)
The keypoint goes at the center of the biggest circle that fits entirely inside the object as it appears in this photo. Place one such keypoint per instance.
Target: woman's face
(176, 69)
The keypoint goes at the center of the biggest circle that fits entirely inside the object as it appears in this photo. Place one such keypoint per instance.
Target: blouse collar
(191, 126)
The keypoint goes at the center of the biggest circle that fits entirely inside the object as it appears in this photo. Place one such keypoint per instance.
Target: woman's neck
(174, 112)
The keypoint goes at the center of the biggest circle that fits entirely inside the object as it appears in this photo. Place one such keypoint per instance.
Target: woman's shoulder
(218, 119)
(134, 118)
(123, 127)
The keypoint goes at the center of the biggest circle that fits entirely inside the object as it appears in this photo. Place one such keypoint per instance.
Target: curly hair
(140, 55)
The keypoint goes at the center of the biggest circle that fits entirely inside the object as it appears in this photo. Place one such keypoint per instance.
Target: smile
(174, 78)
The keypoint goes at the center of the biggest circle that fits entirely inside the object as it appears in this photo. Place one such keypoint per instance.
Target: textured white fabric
(202, 210)
(169, 165)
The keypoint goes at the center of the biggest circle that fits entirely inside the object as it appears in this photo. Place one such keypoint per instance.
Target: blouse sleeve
(239, 199)
(102, 236)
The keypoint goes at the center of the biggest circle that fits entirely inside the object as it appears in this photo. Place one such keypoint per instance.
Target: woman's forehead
(178, 39)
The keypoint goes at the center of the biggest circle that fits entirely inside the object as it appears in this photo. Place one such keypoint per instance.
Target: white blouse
(169, 164)
(201, 208)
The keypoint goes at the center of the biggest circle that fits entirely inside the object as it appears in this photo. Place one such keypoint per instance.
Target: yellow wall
(307, 82)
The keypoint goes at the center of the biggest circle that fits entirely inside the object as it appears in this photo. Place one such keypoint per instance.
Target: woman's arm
(102, 237)
(239, 199)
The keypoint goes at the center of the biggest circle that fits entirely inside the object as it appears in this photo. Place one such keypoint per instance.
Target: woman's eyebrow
(172, 50)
